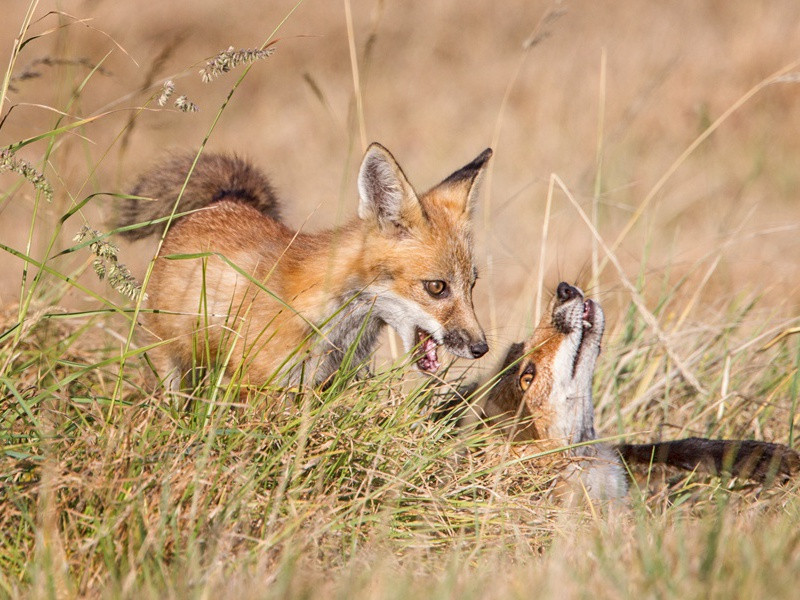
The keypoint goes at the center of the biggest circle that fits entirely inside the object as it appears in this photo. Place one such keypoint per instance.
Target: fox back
(214, 177)
(233, 285)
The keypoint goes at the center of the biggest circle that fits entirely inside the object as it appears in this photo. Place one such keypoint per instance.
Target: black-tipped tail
(750, 459)
(215, 177)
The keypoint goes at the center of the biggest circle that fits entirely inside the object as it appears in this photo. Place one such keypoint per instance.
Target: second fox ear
(384, 192)
(460, 190)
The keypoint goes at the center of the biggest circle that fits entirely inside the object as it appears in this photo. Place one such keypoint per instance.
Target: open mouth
(588, 314)
(428, 361)
(587, 323)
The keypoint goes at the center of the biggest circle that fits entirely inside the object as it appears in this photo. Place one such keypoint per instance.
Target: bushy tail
(759, 461)
(215, 177)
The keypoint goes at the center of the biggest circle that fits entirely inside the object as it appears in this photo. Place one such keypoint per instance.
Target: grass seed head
(10, 162)
(228, 60)
(166, 92)
(183, 104)
(107, 265)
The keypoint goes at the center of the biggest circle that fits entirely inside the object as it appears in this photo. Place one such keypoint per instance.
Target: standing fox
(235, 285)
(543, 395)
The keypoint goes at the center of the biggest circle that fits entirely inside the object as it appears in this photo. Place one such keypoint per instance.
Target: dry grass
(109, 491)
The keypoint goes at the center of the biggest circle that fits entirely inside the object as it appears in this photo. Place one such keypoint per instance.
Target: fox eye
(435, 287)
(526, 379)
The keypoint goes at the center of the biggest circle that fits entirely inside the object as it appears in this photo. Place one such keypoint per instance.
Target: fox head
(548, 379)
(419, 258)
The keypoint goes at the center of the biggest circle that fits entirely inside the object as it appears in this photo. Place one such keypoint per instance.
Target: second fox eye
(435, 287)
(526, 379)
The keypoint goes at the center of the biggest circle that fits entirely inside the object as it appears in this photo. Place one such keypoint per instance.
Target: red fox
(543, 395)
(234, 284)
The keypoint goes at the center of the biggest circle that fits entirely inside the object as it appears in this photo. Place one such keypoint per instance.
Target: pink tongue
(429, 361)
(430, 349)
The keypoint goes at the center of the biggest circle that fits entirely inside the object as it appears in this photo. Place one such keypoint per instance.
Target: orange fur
(267, 301)
(543, 398)
(526, 415)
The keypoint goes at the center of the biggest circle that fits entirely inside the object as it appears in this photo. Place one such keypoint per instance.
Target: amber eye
(526, 379)
(435, 287)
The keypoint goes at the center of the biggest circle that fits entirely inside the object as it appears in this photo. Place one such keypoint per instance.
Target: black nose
(479, 349)
(566, 292)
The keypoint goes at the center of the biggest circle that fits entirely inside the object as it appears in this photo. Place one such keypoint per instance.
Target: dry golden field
(673, 126)
(637, 81)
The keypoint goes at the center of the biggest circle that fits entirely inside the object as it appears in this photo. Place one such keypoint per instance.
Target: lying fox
(232, 283)
(543, 395)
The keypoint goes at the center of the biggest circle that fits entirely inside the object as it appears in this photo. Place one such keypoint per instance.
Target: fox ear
(384, 192)
(460, 190)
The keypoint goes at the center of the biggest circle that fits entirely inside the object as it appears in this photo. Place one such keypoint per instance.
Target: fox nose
(479, 349)
(566, 292)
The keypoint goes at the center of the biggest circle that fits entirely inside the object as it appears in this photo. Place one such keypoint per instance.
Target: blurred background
(606, 95)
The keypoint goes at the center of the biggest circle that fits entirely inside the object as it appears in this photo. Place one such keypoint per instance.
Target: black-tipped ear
(470, 171)
(466, 181)
(512, 357)
(384, 192)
